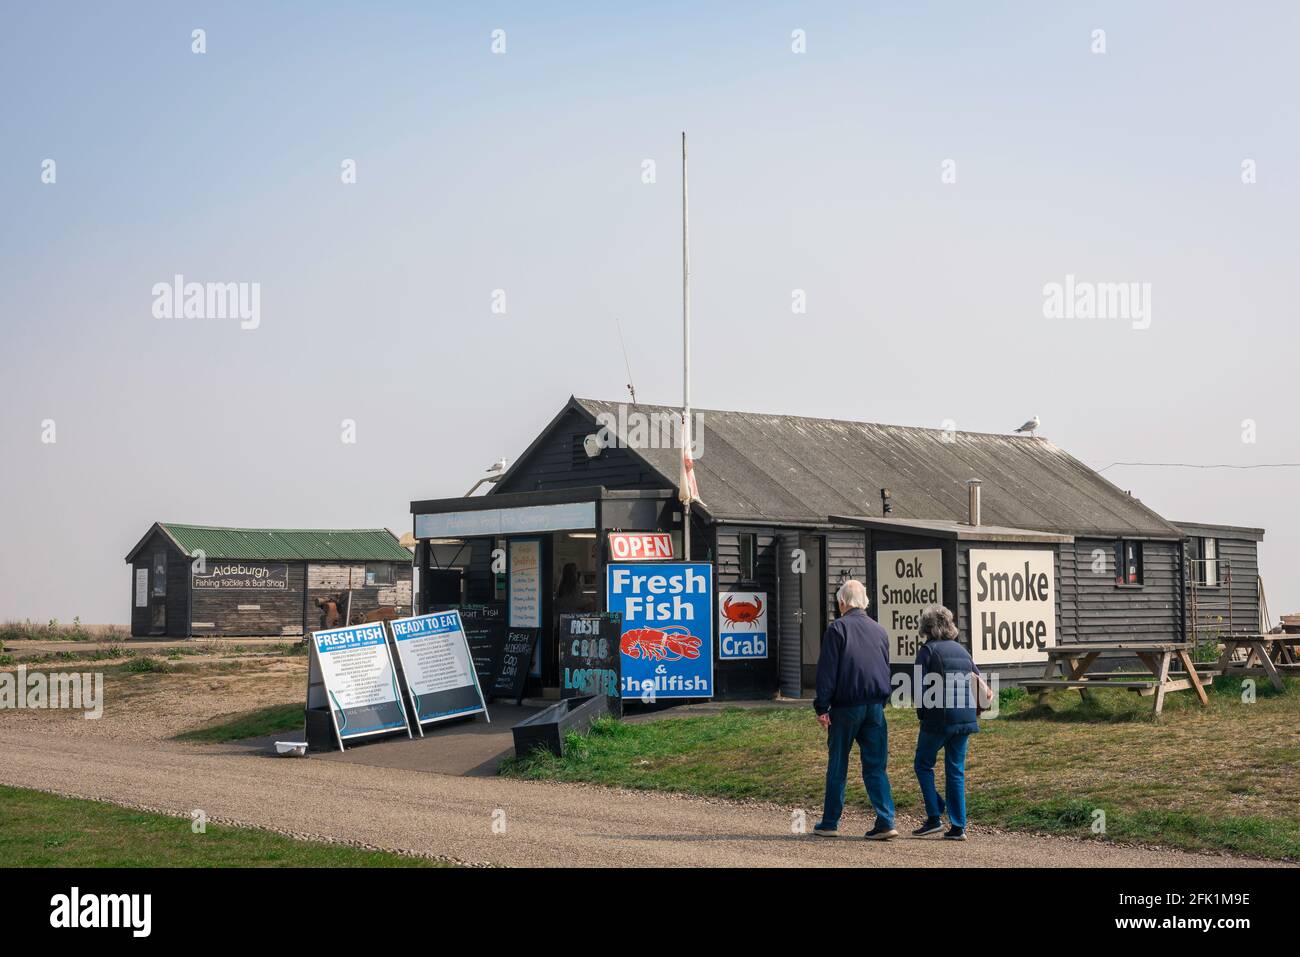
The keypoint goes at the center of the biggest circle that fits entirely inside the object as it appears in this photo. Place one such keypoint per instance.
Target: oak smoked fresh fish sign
(1012, 605)
(667, 639)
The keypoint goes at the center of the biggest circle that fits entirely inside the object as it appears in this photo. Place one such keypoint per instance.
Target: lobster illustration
(742, 612)
(671, 644)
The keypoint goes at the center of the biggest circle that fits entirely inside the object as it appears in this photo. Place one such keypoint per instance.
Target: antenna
(630, 387)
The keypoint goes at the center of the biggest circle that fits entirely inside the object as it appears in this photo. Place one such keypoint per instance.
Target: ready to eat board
(360, 681)
(436, 662)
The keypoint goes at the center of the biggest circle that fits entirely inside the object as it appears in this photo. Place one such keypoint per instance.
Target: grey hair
(937, 624)
(853, 594)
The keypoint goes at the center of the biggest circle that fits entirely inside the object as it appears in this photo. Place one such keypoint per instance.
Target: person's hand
(825, 721)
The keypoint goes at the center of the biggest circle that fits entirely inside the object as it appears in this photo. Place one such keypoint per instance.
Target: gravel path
(453, 817)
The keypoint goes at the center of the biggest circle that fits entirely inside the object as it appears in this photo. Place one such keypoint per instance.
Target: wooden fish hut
(190, 581)
(1026, 544)
(1224, 591)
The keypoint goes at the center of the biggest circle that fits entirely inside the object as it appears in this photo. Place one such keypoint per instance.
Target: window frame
(375, 582)
(743, 540)
(1121, 563)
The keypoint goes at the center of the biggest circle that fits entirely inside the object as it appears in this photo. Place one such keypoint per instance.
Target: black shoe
(821, 830)
(881, 832)
(955, 834)
(932, 825)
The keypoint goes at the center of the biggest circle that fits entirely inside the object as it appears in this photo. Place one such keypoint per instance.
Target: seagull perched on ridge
(498, 466)
(1031, 426)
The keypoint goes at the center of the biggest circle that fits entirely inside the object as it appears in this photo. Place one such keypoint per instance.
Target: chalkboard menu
(590, 658)
(516, 657)
(485, 630)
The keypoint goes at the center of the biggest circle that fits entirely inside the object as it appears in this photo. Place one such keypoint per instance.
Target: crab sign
(742, 612)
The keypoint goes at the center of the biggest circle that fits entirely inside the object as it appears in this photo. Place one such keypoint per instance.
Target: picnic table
(1269, 656)
(1075, 662)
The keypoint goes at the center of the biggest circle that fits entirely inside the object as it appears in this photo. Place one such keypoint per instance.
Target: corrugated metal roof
(771, 468)
(289, 544)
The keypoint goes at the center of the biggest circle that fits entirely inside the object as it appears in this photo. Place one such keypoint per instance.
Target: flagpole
(686, 355)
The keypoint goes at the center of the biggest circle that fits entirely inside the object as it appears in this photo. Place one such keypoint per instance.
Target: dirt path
(545, 824)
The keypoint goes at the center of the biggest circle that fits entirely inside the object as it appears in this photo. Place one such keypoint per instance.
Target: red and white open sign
(640, 546)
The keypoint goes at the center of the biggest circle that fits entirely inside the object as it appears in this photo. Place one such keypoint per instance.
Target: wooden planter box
(548, 728)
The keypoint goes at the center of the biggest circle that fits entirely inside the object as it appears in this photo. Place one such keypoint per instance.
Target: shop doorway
(812, 607)
(575, 570)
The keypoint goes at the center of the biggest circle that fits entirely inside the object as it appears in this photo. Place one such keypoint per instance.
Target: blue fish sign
(667, 638)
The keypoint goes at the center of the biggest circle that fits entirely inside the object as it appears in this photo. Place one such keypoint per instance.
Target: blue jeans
(928, 744)
(864, 724)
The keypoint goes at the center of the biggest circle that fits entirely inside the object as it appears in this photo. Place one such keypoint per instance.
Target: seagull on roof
(498, 466)
(1031, 426)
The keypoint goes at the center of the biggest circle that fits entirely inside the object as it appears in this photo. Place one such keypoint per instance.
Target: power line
(1199, 465)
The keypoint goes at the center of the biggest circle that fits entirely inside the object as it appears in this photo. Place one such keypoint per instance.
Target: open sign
(640, 546)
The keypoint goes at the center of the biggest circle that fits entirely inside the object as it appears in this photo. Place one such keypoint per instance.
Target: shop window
(380, 573)
(1128, 562)
(1205, 565)
(748, 555)
(160, 574)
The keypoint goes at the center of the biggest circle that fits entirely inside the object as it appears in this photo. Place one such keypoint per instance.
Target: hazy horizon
(917, 178)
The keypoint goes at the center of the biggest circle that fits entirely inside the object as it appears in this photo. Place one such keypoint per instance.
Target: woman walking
(946, 707)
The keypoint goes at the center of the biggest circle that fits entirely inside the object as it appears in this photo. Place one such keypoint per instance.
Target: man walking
(852, 688)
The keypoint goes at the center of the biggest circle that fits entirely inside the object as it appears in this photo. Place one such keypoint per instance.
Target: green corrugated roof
(290, 544)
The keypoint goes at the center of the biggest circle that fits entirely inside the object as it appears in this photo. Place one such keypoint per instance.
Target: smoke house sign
(243, 576)
(906, 581)
(1012, 605)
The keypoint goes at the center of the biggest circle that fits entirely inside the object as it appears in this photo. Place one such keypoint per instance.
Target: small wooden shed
(190, 581)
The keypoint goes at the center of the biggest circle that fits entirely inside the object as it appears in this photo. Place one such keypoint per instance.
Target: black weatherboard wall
(1232, 602)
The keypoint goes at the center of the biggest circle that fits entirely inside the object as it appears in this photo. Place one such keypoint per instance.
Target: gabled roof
(282, 544)
(783, 468)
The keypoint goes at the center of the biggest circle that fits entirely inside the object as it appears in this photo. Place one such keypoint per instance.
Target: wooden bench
(1269, 656)
(1075, 661)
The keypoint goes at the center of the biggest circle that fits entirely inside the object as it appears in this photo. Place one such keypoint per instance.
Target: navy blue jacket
(954, 712)
(854, 665)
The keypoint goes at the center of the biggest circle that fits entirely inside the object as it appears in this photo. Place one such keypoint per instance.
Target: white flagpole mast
(686, 357)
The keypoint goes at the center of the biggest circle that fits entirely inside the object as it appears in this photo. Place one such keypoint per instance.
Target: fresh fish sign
(667, 638)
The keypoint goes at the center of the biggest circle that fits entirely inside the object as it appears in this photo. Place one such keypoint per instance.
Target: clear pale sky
(817, 171)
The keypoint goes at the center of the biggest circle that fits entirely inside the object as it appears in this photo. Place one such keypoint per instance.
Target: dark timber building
(194, 581)
(1043, 546)
(1224, 595)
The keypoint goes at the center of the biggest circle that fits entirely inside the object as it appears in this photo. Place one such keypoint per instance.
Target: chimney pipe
(973, 501)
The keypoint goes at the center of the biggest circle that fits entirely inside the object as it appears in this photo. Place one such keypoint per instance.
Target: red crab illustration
(742, 612)
(672, 643)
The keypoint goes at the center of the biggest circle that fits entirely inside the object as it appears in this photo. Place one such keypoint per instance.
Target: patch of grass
(1220, 778)
(145, 664)
(248, 724)
(54, 631)
(44, 830)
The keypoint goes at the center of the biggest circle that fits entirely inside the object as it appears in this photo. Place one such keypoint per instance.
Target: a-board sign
(906, 581)
(513, 668)
(590, 660)
(360, 681)
(525, 583)
(667, 640)
(436, 663)
(1012, 605)
(485, 630)
(640, 547)
(742, 625)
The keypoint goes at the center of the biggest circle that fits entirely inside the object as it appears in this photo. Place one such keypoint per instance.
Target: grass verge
(45, 830)
(1221, 778)
(248, 724)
